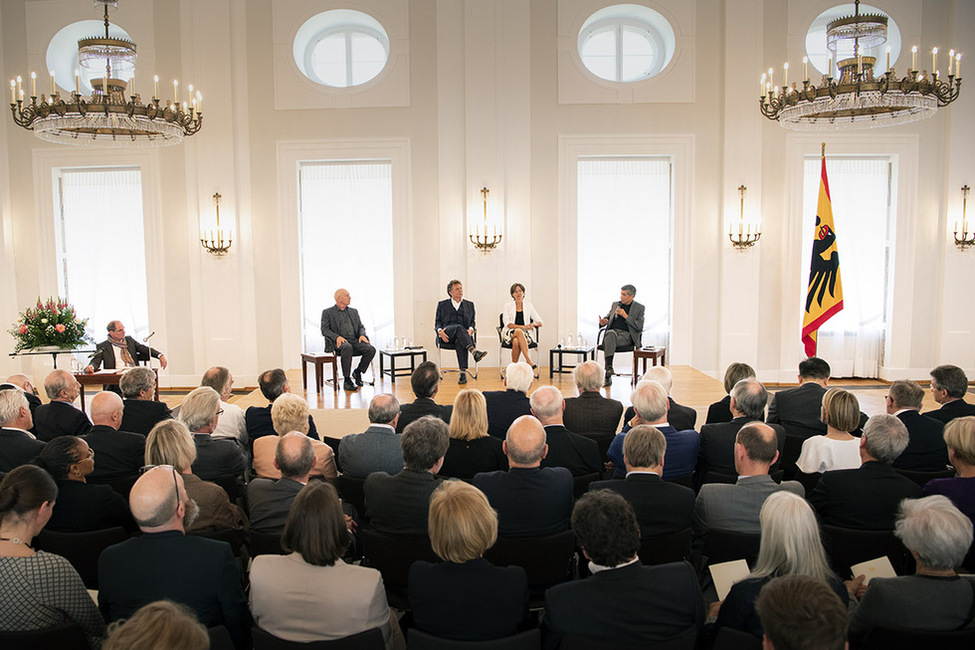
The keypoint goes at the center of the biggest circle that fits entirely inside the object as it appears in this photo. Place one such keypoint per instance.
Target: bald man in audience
(165, 563)
(531, 501)
(24, 383)
(18, 445)
(268, 500)
(576, 453)
(120, 453)
(60, 417)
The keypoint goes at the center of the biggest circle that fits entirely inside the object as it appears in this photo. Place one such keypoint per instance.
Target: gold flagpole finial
(824, 149)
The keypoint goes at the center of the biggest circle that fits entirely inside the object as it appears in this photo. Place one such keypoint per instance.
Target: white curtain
(852, 341)
(346, 231)
(101, 246)
(625, 237)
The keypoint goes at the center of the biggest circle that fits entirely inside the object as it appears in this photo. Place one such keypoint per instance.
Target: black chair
(619, 348)
(883, 638)
(234, 488)
(220, 638)
(532, 345)
(236, 538)
(580, 484)
(442, 345)
(808, 481)
(848, 546)
(334, 443)
(527, 640)
(670, 547)
(546, 560)
(265, 544)
(729, 638)
(687, 480)
(921, 478)
(717, 477)
(791, 450)
(685, 640)
(352, 490)
(81, 549)
(392, 555)
(725, 545)
(67, 636)
(371, 639)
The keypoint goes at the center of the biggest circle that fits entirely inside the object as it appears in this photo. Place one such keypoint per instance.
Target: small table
(562, 367)
(395, 372)
(641, 355)
(106, 378)
(319, 359)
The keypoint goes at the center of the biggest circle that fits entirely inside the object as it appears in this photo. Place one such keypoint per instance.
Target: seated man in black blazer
(120, 453)
(269, 501)
(576, 453)
(425, 381)
(798, 409)
(60, 417)
(591, 414)
(623, 601)
(258, 418)
(948, 387)
(141, 411)
(215, 457)
(17, 445)
(505, 406)
(926, 451)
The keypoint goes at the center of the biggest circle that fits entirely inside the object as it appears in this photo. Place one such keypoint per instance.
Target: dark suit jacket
(592, 415)
(466, 458)
(117, 453)
(17, 448)
(420, 407)
(634, 321)
(958, 408)
(217, 457)
(330, 325)
(257, 419)
(269, 503)
(660, 507)
(503, 408)
(865, 498)
(197, 572)
(534, 502)
(630, 603)
(59, 419)
(717, 450)
(799, 410)
(446, 314)
(105, 355)
(140, 416)
(680, 417)
(720, 411)
(82, 507)
(926, 451)
(473, 601)
(398, 504)
(576, 453)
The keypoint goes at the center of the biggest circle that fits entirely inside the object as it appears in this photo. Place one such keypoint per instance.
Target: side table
(642, 355)
(395, 372)
(319, 359)
(562, 367)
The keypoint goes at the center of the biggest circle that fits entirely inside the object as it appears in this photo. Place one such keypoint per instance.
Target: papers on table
(725, 574)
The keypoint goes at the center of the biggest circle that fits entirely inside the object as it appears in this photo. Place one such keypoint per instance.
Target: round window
(819, 55)
(626, 43)
(341, 48)
(62, 54)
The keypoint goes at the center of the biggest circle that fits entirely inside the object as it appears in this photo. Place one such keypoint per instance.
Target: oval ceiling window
(819, 54)
(62, 54)
(341, 48)
(626, 43)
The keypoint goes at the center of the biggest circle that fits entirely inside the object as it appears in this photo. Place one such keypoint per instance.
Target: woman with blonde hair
(960, 438)
(471, 449)
(290, 413)
(160, 625)
(838, 449)
(465, 597)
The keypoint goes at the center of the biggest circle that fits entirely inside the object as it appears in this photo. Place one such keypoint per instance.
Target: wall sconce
(484, 237)
(743, 235)
(217, 241)
(964, 238)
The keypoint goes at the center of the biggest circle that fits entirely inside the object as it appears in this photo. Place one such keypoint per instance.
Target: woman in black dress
(471, 449)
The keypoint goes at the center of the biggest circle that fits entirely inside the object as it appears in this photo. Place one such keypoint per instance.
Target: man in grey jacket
(623, 326)
(345, 334)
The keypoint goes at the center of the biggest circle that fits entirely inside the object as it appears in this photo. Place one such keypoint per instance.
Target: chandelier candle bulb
(77, 82)
(761, 85)
(914, 57)
(13, 91)
(888, 59)
(199, 101)
(52, 85)
(785, 76)
(958, 65)
(176, 93)
(805, 68)
(20, 90)
(934, 59)
(33, 84)
(155, 87)
(951, 62)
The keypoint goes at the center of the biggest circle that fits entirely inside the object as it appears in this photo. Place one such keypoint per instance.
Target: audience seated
(926, 451)
(215, 457)
(935, 598)
(312, 594)
(797, 409)
(290, 413)
(377, 449)
(268, 500)
(505, 406)
(576, 453)
(164, 563)
(17, 445)
(799, 612)
(231, 423)
(623, 600)
(141, 412)
(720, 411)
(80, 506)
(465, 597)
(838, 449)
(867, 497)
(22, 382)
(531, 501)
(398, 504)
(591, 414)
(120, 453)
(949, 385)
(682, 418)
(170, 443)
(425, 381)
(59, 417)
(38, 590)
(471, 449)
(258, 418)
(157, 626)
(960, 438)
(660, 507)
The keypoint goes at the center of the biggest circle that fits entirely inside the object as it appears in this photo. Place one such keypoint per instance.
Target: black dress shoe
(608, 381)
(478, 355)
(357, 377)
(350, 385)
(462, 379)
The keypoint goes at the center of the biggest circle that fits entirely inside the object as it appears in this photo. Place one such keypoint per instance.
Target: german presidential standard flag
(824, 297)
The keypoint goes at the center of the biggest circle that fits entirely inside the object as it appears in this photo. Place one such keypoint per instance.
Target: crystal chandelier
(858, 98)
(106, 118)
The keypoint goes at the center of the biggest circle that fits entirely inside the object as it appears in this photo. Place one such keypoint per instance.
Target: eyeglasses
(220, 412)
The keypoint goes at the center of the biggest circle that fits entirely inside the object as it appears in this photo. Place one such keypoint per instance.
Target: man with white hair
(22, 382)
(591, 414)
(505, 406)
(18, 446)
(680, 417)
(120, 453)
(215, 457)
(576, 453)
(60, 417)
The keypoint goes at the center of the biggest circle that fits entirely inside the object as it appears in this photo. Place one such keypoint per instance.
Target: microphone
(151, 334)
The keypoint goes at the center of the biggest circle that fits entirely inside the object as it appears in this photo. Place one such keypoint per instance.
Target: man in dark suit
(378, 448)
(119, 453)
(59, 417)
(623, 600)
(141, 412)
(164, 563)
(17, 445)
(505, 406)
(948, 387)
(344, 333)
(926, 451)
(269, 501)
(660, 507)
(455, 324)
(121, 351)
(215, 457)
(426, 383)
(591, 414)
(258, 418)
(576, 453)
(680, 417)
(23, 382)
(531, 501)
(398, 505)
(868, 497)
(622, 326)
(799, 410)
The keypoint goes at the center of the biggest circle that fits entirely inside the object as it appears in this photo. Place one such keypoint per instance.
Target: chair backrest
(121, 485)
(883, 638)
(527, 640)
(546, 560)
(220, 638)
(82, 549)
(808, 481)
(791, 450)
(265, 544)
(580, 484)
(232, 486)
(922, 478)
(717, 477)
(661, 549)
(353, 490)
(728, 638)
(848, 546)
(67, 636)
(685, 640)
(686, 480)
(371, 639)
(726, 545)
(392, 555)
(236, 538)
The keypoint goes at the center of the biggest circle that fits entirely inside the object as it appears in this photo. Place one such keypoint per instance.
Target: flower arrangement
(53, 323)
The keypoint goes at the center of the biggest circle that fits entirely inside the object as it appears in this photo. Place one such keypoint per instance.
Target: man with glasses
(215, 457)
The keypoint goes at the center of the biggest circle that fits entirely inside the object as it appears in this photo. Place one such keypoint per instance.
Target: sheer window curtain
(101, 244)
(624, 234)
(346, 231)
(852, 341)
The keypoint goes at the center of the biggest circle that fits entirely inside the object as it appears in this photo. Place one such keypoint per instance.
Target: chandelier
(217, 241)
(964, 237)
(747, 233)
(485, 237)
(106, 118)
(857, 98)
